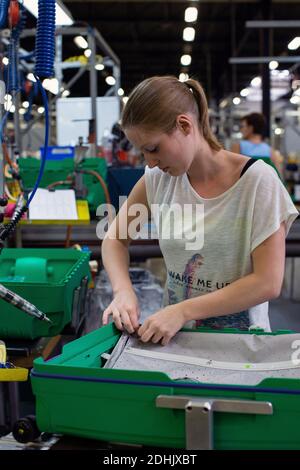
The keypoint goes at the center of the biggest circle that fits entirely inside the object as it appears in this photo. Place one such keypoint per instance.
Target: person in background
(227, 277)
(253, 144)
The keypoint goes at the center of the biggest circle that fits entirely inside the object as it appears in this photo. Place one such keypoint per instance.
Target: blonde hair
(157, 101)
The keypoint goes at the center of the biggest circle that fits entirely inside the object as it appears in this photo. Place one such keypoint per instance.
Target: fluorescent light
(183, 77)
(294, 44)
(245, 92)
(87, 53)
(110, 80)
(190, 14)
(278, 131)
(236, 100)
(223, 103)
(81, 42)
(273, 64)
(62, 15)
(189, 34)
(186, 59)
(120, 92)
(99, 67)
(51, 84)
(256, 82)
(30, 77)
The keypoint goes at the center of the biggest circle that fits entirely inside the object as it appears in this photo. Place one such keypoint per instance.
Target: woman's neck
(207, 163)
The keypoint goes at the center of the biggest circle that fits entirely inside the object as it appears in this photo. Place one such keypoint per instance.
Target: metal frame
(95, 39)
(199, 413)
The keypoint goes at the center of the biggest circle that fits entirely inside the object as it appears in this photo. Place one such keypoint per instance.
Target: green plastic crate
(58, 170)
(45, 277)
(75, 396)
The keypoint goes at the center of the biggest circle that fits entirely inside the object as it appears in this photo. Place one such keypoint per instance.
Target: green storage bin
(75, 396)
(49, 279)
(59, 170)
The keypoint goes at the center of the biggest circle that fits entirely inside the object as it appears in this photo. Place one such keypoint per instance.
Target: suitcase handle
(199, 415)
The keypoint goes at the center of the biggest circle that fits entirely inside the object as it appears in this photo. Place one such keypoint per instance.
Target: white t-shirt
(233, 225)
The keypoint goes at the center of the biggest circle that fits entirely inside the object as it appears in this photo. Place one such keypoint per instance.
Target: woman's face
(172, 153)
(246, 130)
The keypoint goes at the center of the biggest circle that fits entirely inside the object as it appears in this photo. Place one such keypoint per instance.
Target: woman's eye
(152, 150)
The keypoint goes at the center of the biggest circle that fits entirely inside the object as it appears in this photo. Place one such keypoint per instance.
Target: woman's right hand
(124, 310)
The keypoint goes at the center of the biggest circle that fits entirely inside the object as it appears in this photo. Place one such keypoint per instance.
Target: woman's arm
(235, 148)
(277, 159)
(263, 284)
(115, 257)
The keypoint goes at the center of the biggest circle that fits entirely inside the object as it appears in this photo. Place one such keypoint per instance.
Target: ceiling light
(186, 59)
(99, 67)
(87, 53)
(41, 109)
(278, 131)
(62, 15)
(25, 104)
(256, 81)
(223, 103)
(273, 64)
(183, 77)
(81, 42)
(236, 100)
(245, 92)
(294, 44)
(5, 61)
(190, 14)
(189, 34)
(110, 80)
(120, 92)
(12, 108)
(31, 77)
(66, 93)
(51, 84)
(22, 111)
(125, 99)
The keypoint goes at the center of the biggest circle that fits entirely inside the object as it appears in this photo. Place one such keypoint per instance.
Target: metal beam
(263, 60)
(273, 24)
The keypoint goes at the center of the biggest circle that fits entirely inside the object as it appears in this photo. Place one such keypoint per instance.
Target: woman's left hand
(162, 325)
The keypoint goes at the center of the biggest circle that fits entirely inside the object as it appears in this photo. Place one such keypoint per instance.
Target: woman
(253, 144)
(228, 279)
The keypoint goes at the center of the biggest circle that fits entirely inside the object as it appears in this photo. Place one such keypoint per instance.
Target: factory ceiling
(147, 37)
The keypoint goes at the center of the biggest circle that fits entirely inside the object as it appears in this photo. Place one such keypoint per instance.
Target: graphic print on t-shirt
(186, 280)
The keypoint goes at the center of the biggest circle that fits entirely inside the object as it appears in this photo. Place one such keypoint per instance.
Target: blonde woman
(229, 278)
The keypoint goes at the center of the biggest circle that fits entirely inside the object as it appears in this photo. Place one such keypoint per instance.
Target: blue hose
(45, 149)
(45, 39)
(3, 12)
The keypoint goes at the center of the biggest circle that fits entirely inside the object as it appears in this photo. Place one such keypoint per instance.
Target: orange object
(13, 13)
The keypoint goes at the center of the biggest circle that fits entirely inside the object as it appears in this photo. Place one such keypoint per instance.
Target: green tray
(75, 396)
(48, 278)
(58, 170)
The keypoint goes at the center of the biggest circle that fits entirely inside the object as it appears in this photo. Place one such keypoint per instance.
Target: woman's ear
(184, 123)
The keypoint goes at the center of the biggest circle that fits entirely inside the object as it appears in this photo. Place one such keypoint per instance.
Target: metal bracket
(199, 415)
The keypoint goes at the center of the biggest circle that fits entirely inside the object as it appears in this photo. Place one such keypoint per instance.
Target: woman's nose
(152, 162)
